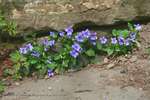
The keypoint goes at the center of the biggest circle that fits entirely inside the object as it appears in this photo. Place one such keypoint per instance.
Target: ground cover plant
(7, 27)
(67, 49)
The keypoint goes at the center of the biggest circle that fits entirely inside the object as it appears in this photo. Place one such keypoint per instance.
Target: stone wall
(58, 14)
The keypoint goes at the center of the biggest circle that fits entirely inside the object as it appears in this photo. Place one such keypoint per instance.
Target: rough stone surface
(85, 85)
(58, 14)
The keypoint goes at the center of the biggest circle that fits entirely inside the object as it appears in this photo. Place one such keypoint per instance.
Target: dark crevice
(118, 24)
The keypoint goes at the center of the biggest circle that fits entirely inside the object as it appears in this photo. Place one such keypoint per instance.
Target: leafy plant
(7, 26)
(2, 87)
(65, 50)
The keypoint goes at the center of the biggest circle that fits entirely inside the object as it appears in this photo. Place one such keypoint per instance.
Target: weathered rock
(58, 14)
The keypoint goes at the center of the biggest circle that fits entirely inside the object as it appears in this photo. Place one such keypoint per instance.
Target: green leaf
(17, 67)
(39, 66)
(55, 35)
(33, 61)
(7, 72)
(15, 57)
(114, 32)
(52, 66)
(125, 33)
(99, 46)
(42, 72)
(27, 68)
(90, 52)
(26, 64)
(23, 58)
(117, 48)
(65, 63)
(130, 27)
(2, 87)
(110, 51)
(57, 57)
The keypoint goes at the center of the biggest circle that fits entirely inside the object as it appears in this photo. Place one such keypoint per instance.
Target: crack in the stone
(82, 91)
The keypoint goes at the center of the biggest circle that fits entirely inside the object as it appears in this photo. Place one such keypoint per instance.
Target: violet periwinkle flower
(51, 42)
(138, 27)
(74, 53)
(127, 41)
(120, 40)
(133, 36)
(52, 34)
(50, 73)
(79, 37)
(23, 50)
(69, 31)
(61, 34)
(86, 33)
(35, 54)
(26, 48)
(45, 42)
(29, 47)
(45, 49)
(93, 36)
(103, 40)
(76, 47)
(114, 40)
(48, 43)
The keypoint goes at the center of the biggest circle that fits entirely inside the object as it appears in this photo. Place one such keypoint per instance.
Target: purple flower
(51, 42)
(45, 42)
(35, 54)
(127, 41)
(138, 27)
(50, 73)
(133, 36)
(48, 43)
(61, 34)
(45, 49)
(114, 41)
(26, 48)
(93, 36)
(76, 47)
(121, 40)
(69, 31)
(29, 47)
(79, 37)
(103, 40)
(23, 50)
(86, 33)
(52, 34)
(74, 53)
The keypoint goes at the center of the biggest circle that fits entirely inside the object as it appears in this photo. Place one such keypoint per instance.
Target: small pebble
(106, 60)
(17, 83)
(110, 66)
(46, 77)
(123, 71)
(133, 59)
(49, 88)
